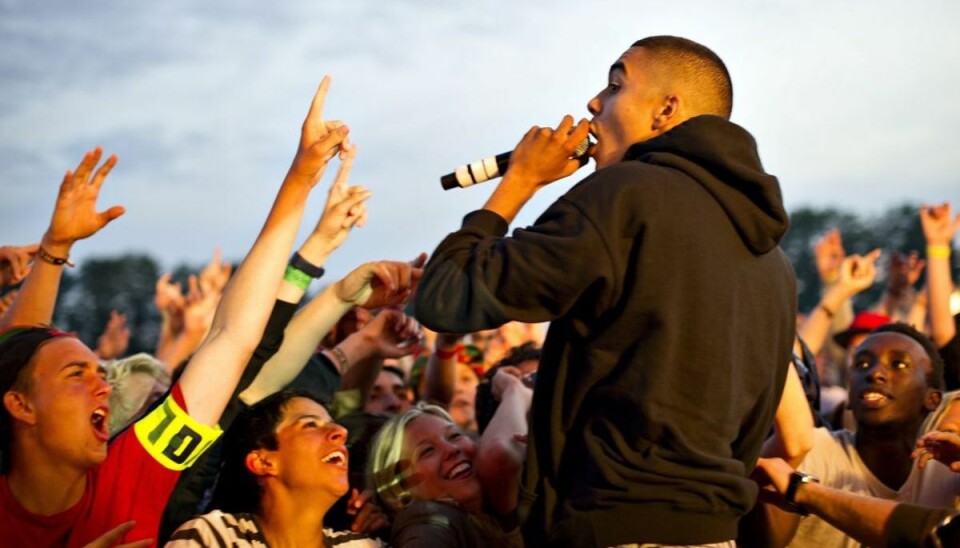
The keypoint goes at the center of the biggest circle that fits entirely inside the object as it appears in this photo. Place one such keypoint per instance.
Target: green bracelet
(297, 277)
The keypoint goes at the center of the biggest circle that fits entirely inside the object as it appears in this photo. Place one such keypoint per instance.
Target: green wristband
(297, 277)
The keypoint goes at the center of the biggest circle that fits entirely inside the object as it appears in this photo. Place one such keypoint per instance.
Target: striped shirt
(221, 530)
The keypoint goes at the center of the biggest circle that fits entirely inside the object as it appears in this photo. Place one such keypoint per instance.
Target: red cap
(864, 322)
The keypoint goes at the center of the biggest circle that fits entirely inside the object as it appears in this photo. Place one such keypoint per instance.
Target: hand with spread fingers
(75, 215)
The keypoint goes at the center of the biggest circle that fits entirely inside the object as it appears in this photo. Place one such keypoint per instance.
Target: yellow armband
(173, 437)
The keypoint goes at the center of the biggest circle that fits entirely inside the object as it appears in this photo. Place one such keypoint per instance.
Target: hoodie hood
(722, 157)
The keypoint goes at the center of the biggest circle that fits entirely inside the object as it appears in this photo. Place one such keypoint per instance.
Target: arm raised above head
(215, 368)
(75, 217)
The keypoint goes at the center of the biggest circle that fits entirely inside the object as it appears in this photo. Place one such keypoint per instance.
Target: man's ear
(668, 115)
(261, 463)
(932, 399)
(20, 407)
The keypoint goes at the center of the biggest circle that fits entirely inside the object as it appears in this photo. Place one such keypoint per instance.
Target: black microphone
(493, 167)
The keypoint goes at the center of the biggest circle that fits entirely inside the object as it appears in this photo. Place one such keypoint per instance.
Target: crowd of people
(677, 397)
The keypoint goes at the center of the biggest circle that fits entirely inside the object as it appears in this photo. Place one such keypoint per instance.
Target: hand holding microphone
(542, 156)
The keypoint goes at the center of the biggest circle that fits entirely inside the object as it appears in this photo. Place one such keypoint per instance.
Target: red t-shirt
(129, 485)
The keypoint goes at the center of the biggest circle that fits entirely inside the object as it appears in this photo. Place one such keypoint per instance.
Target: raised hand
(319, 139)
(544, 154)
(113, 342)
(379, 284)
(199, 308)
(503, 379)
(214, 277)
(75, 215)
(392, 334)
(344, 210)
(829, 254)
(15, 262)
(857, 273)
(939, 227)
(170, 302)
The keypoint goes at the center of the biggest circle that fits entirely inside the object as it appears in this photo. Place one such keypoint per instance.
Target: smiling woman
(444, 488)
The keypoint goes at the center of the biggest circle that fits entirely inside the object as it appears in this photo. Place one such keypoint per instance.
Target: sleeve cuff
(486, 221)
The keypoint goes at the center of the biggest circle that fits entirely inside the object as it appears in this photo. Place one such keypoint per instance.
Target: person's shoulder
(628, 182)
(219, 529)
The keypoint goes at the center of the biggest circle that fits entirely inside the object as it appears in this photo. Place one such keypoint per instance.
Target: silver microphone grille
(582, 148)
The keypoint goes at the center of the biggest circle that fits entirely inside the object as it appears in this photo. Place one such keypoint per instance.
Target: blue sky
(852, 103)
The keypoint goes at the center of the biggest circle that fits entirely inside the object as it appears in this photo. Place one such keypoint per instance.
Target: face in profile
(441, 463)
(623, 111)
(66, 406)
(888, 382)
(311, 451)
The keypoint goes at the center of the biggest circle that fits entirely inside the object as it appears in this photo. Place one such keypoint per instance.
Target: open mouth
(337, 457)
(99, 420)
(874, 398)
(460, 471)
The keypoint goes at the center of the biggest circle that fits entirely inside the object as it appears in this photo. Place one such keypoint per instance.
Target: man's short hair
(935, 378)
(255, 428)
(698, 66)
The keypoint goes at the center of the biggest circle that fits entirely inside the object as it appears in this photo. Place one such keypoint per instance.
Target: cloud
(203, 102)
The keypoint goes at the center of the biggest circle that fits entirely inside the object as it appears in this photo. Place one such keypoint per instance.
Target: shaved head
(694, 70)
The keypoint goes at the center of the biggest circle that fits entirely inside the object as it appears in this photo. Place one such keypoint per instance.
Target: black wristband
(796, 479)
(301, 264)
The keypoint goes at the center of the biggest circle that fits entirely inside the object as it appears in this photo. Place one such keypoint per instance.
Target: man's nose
(594, 105)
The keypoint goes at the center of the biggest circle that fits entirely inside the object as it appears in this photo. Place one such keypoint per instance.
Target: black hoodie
(672, 313)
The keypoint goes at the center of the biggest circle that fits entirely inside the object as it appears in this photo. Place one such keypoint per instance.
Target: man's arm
(378, 284)
(500, 454)
(543, 156)
(74, 218)
(866, 519)
(939, 228)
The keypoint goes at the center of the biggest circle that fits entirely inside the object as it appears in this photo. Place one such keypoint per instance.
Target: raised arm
(215, 368)
(855, 274)
(372, 284)
(75, 217)
(939, 228)
(500, 453)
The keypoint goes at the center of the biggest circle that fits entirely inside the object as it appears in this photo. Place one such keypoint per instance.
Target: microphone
(493, 167)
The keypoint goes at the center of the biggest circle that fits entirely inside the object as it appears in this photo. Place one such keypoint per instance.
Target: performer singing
(672, 307)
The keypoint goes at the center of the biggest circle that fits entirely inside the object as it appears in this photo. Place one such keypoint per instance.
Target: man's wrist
(55, 247)
(797, 491)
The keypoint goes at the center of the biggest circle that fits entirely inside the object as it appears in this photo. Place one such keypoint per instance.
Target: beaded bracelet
(44, 255)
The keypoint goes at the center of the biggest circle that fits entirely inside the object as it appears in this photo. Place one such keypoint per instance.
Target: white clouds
(203, 102)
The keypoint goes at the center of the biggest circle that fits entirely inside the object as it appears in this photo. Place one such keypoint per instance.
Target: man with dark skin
(896, 382)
